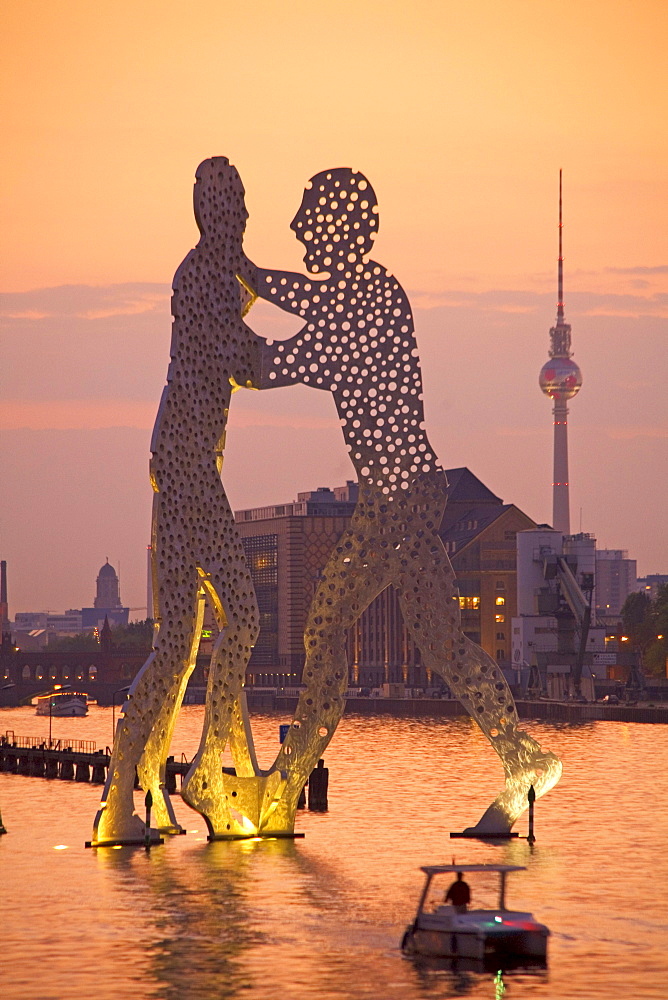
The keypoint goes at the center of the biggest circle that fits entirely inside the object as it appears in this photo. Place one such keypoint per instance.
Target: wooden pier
(68, 760)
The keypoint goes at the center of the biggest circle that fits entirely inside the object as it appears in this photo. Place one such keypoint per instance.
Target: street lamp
(56, 687)
(113, 710)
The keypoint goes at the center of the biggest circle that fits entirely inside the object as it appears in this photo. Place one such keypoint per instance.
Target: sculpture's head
(218, 197)
(337, 220)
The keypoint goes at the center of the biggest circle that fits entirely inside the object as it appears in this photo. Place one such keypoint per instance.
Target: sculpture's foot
(111, 829)
(232, 806)
(163, 817)
(280, 807)
(204, 789)
(542, 770)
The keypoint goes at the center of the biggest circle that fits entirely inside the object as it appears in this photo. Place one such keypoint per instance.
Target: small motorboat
(62, 703)
(441, 930)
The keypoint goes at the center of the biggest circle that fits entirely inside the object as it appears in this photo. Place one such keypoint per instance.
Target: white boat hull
(476, 936)
(60, 709)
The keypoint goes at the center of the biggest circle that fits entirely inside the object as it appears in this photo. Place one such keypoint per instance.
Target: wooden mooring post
(318, 783)
(532, 798)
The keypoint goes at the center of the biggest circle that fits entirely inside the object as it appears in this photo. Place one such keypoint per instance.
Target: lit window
(469, 603)
(499, 619)
(500, 601)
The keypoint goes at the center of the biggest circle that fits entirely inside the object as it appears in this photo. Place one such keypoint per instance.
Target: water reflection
(463, 976)
(323, 917)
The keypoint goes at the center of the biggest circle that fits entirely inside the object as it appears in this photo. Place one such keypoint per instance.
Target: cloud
(522, 432)
(59, 414)
(639, 269)
(632, 432)
(88, 302)
(526, 302)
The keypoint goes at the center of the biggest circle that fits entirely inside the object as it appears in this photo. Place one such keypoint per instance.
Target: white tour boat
(62, 703)
(441, 930)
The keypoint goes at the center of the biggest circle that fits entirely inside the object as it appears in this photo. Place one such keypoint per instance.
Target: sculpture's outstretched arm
(288, 290)
(280, 361)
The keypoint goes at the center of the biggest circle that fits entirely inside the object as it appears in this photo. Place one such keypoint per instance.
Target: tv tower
(560, 378)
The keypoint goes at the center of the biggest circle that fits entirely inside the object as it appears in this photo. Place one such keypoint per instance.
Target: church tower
(108, 589)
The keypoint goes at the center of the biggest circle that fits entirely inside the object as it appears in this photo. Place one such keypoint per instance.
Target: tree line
(645, 622)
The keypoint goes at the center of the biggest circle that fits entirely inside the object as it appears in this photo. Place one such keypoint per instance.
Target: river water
(323, 916)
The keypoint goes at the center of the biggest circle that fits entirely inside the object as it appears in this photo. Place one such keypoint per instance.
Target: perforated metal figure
(196, 550)
(358, 343)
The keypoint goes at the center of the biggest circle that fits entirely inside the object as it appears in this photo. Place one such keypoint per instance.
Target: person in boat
(459, 894)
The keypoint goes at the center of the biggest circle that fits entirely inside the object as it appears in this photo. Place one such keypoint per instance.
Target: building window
(500, 585)
(92, 672)
(500, 654)
(499, 619)
(469, 603)
(500, 635)
(261, 552)
(264, 560)
(500, 601)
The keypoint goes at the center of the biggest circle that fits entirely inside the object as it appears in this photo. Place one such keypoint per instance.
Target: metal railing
(10, 739)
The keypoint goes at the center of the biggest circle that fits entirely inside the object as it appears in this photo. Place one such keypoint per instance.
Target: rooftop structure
(615, 580)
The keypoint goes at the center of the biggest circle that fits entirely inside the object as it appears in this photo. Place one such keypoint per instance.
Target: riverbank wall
(549, 711)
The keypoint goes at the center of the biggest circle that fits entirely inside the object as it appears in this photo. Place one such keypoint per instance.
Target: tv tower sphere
(560, 378)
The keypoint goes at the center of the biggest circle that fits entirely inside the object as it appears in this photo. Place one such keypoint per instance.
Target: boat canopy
(437, 869)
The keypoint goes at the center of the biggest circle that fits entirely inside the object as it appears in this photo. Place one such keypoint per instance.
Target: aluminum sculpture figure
(196, 551)
(358, 343)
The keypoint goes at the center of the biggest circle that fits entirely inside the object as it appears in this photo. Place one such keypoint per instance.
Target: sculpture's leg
(429, 604)
(355, 574)
(144, 732)
(228, 804)
(152, 767)
(525, 762)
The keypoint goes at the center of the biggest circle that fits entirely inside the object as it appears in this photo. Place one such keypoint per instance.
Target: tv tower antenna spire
(560, 265)
(560, 379)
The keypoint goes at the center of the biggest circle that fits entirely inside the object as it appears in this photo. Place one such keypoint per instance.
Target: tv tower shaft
(560, 379)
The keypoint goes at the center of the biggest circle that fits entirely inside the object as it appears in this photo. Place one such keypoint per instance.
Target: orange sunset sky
(461, 115)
